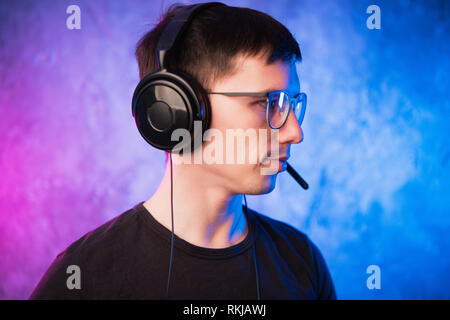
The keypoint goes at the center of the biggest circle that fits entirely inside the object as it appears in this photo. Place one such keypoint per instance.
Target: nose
(291, 132)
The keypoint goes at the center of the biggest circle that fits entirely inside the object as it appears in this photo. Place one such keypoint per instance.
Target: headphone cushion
(163, 102)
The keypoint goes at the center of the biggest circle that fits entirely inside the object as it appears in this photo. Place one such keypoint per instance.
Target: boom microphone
(296, 176)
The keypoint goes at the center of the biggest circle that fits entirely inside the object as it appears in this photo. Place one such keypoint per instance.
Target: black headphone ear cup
(165, 101)
(204, 104)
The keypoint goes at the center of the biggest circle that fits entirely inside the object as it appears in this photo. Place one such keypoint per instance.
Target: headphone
(164, 101)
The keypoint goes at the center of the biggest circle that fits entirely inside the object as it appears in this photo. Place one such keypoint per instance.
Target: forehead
(252, 74)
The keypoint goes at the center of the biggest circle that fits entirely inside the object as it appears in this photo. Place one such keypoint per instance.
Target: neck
(205, 214)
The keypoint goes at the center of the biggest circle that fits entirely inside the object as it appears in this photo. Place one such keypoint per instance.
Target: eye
(262, 103)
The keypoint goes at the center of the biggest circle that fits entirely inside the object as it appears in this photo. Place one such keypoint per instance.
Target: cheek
(256, 116)
(232, 115)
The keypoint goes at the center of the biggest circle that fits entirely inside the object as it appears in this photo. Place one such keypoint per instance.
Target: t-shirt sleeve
(325, 285)
(53, 284)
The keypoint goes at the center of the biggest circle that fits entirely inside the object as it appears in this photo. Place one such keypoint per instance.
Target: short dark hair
(215, 37)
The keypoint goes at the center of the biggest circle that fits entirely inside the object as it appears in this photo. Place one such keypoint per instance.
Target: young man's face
(249, 114)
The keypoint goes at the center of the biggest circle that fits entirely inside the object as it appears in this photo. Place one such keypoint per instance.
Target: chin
(272, 183)
(264, 186)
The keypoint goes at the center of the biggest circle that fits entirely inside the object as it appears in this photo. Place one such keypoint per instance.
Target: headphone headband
(167, 100)
(177, 27)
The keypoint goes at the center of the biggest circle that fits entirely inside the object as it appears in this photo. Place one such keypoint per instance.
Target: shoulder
(113, 234)
(281, 231)
(297, 250)
(94, 254)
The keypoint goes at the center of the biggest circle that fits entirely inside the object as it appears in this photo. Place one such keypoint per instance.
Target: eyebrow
(272, 89)
(251, 95)
(268, 90)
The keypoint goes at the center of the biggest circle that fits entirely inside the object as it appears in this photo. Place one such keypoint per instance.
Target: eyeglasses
(278, 105)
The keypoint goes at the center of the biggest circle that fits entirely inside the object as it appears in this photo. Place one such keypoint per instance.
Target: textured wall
(375, 151)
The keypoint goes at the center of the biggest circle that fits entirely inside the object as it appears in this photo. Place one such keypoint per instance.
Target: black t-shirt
(128, 258)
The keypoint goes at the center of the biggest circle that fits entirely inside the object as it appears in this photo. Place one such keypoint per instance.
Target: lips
(282, 162)
(281, 159)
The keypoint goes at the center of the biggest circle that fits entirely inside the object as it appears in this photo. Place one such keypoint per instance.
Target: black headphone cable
(258, 293)
(173, 237)
(258, 290)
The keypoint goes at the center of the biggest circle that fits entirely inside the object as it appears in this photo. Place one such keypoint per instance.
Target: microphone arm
(296, 176)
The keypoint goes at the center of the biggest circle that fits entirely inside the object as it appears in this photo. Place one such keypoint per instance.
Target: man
(221, 250)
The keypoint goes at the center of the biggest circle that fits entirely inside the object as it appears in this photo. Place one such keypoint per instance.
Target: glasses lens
(278, 109)
(300, 108)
